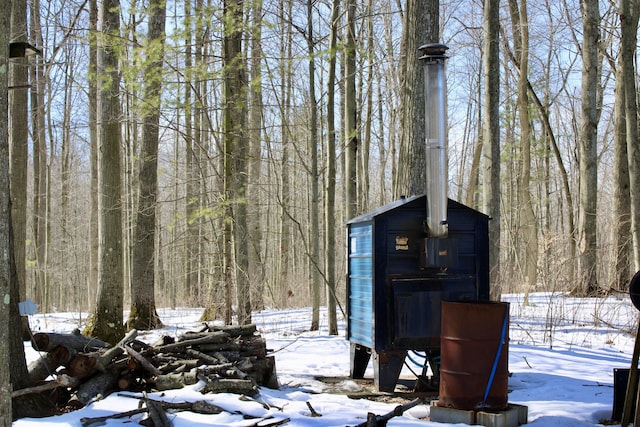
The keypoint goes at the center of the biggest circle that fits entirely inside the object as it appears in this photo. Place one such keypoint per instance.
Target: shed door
(415, 308)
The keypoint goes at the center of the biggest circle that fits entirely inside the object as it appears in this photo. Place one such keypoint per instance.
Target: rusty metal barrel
(474, 360)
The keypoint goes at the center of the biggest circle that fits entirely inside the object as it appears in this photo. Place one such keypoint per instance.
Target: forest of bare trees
(209, 153)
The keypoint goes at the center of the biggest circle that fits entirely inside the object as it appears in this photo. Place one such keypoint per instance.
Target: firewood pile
(226, 359)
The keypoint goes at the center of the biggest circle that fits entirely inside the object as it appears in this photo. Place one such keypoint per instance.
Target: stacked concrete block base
(513, 416)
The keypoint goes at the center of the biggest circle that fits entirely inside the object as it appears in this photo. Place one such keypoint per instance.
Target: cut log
(82, 366)
(48, 341)
(215, 370)
(104, 359)
(211, 338)
(48, 363)
(163, 340)
(236, 331)
(174, 381)
(252, 346)
(96, 387)
(203, 357)
(228, 385)
(178, 366)
(42, 367)
(264, 372)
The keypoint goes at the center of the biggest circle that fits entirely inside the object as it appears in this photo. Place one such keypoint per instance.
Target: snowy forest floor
(562, 353)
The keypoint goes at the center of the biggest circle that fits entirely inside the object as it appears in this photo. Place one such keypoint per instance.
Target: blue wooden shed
(398, 276)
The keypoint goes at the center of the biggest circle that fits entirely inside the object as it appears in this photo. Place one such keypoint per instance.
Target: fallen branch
(381, 420)
(62, 381)
(199, 406)
(87, 421)
(314, 413)
(156, 412)
(273, 424)
(142, 361)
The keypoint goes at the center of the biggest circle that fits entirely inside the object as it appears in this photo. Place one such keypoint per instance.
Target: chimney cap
(433, 49)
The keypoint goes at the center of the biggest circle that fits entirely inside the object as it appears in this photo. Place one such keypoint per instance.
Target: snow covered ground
(562, 354)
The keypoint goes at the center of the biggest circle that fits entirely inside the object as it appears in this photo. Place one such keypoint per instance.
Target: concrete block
(452, 416)
(492, 419)
(513, 416)
(523, 413)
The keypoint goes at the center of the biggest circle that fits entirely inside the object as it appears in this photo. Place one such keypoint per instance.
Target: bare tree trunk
(143, 313)
(237, 86)
(19, 146)
(491, 137)
(13, 373)
(92, 284)
(71, 300)
(421, 26)
(629, 22)
(40, 164)
(350, 119)
(286, 250)
(314, 264)
(364, 184)
(5, 224)
(256, 259)
(192, 197)
(106, 320)
(622, 236)
(527, 219)
(587, 152)
(18, 140)
(330, 216)
(471, 198)
(236, 150)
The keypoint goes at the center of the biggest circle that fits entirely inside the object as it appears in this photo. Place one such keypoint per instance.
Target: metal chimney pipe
(435, 89)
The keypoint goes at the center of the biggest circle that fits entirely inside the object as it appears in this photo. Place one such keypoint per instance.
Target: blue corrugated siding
(361, 283)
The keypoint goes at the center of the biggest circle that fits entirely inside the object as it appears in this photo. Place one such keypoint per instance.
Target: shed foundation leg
(386, 368)
(360, 356)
